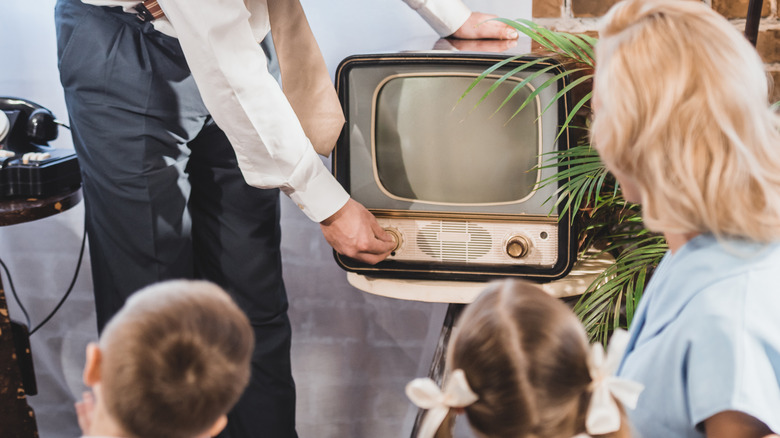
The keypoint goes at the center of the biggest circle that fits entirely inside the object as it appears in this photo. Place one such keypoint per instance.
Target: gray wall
(352, 352)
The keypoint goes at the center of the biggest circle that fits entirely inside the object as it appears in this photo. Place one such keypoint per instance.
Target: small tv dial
(396, 235)
(518, 247)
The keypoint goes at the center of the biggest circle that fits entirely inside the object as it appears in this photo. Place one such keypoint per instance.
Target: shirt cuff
(318, 194)
(444, 16)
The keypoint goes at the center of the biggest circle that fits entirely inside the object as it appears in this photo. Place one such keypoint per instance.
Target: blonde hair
(682, 108)
(525, 355)
(175, 359)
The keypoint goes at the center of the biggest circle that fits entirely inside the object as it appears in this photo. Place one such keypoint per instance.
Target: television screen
(433, 147)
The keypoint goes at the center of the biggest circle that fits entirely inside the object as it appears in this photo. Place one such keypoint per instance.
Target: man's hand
(478, 27)
(354, 232)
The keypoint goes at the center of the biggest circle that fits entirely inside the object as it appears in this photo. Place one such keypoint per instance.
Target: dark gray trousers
(164, 197)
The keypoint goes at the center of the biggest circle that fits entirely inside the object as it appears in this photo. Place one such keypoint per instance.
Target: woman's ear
(218, 426)
(92, 367)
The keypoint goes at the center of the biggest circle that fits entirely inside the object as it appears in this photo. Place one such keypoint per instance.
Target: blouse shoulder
(732, 356)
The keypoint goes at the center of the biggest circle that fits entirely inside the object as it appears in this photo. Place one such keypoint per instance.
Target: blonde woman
(682, 119)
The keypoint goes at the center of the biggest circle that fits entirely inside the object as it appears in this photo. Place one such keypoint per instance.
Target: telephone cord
(64, 297)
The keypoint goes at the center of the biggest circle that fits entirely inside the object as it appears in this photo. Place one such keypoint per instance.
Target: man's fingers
(378, 252)
(380, 232)
(493, 45)
(483, 26)
(380, 247)
(369, 258)
(376, 249)
(496, 30)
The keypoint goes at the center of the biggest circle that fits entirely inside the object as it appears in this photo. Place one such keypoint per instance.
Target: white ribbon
(603, 413)
(424, 393)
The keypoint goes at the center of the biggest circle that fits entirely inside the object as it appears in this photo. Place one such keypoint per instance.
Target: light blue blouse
(706, 338)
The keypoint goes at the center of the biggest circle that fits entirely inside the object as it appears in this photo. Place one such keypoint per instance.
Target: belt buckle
(142, 13)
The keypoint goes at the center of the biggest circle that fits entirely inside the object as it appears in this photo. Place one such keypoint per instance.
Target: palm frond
(566, 48)
(609, 302)
(521, 85)
(546, 84)
(567, 45)
(486, 73)
(584, 187)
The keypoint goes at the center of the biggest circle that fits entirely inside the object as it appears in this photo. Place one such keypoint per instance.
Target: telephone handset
(24, 123)
(29, 167)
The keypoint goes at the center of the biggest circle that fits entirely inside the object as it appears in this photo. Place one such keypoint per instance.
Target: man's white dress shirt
(219, 40)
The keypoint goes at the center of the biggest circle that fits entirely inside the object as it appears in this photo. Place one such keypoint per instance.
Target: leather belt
(149, 10)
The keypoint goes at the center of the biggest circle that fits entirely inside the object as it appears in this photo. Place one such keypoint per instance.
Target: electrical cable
(64, 297)
(72, 282)
(13, 291)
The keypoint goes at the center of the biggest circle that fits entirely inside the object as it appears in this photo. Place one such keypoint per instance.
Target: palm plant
(605, 220)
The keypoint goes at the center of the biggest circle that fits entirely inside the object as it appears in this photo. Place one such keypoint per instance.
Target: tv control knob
(396, 235)
(518, 247)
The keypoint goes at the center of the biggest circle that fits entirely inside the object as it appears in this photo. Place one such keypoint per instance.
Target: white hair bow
(424, 393)
(603, 413)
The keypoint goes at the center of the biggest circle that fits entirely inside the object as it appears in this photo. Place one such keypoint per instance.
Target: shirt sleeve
(246, 102)
(444, 16)
(732, 366)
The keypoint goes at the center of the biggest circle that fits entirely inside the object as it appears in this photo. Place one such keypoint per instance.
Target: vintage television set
(456, 184)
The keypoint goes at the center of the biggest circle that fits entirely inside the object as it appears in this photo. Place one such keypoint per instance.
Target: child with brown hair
(170, 364)
(521, 367)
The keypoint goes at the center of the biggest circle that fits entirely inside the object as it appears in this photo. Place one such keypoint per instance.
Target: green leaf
(486, 73)
(572, 113)
(541, 88)
(588, 54)
(519, 87)
(578, 48)
(567, 89)
(531, 33)
(589, 39)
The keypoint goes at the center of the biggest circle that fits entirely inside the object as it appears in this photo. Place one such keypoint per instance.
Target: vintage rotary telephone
(29, 167)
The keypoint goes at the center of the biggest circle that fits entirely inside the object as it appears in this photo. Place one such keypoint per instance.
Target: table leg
(438, 364)
(17, 419)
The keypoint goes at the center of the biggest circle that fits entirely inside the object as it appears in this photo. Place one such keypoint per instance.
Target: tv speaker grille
(454, 241)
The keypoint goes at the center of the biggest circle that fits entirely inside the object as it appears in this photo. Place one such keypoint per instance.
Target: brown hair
(525, 355)
(682, 108)
(175, 359)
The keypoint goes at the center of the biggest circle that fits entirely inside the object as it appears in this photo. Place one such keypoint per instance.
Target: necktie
(305, 78)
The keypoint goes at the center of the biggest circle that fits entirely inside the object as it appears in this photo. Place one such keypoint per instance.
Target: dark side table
(17, 419)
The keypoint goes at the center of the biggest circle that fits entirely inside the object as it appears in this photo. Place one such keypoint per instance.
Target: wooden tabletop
(19, 210)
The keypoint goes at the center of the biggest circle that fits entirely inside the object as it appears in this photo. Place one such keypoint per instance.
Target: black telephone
(25, 124)
(29, 167)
